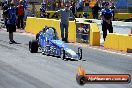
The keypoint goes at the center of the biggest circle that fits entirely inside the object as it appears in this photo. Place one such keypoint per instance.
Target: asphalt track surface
(21, 69)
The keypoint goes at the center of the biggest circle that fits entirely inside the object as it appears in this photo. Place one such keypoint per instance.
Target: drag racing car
(48, 42)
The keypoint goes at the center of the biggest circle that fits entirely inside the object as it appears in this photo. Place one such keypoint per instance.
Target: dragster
(49, 43)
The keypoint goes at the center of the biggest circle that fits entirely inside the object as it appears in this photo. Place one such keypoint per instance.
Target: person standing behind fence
(113, 10)
(59, 4)
(42, 10)
(103, 4)
(5, 8)
(95, 11)
(86, 3)
(24, 2)
(73, 9)
(106, 16)
(20, 15)
(11, 22)
(64, 23)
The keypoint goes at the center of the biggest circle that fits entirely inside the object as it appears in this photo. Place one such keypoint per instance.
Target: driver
(50, 33)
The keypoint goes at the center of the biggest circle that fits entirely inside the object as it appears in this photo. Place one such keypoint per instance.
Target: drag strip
(13, 78)
(20, 68)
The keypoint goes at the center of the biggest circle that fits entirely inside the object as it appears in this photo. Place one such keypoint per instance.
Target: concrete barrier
(94, 35)
(30, 22)
(111, 41)
(34, 25)
(125, 42)
(72, 31)
(123, 15)
(116, 41)
(57, 27)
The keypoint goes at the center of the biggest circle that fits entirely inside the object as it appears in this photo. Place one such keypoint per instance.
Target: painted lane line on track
(118, 53)
(102, 49)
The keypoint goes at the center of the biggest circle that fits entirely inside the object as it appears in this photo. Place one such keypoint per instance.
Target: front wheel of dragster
(33, 46)
(47, 50)
(43, 50)
(62, 55)
(80, 53)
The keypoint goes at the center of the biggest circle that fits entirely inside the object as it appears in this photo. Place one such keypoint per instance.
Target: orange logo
(130, 15)
(83, 78)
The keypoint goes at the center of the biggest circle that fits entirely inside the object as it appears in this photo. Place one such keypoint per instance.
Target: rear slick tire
(33, 46)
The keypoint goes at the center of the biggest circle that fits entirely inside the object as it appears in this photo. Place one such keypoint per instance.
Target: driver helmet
(50, 33)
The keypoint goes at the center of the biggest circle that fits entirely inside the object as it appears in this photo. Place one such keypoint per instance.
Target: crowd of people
(78, 6)
(106, 14)
(13, 17)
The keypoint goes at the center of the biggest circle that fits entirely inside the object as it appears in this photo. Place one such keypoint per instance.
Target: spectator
(85, 15)
(27, 12)
(5, 8)
(110, 3)
(106, 15)
(59, 4)
(65, 14)
(20, 14)
(80, 6)
(77, 5)
(3, 3)
(53, 6)
(42, 10)
(11, 22)
(86, 3)
(73, 9)
(24, 3)
(95, 11)
(103, 4)
(113, 10)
